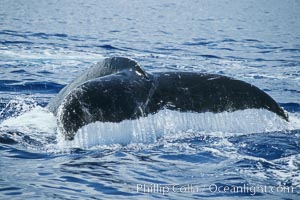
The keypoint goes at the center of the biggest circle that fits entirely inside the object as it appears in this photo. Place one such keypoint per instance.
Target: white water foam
(38, 120)
(33, 128)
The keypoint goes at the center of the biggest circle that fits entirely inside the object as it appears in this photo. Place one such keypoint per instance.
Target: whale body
(118, 89)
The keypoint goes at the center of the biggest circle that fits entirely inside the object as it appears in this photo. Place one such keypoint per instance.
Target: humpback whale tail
(118, 88)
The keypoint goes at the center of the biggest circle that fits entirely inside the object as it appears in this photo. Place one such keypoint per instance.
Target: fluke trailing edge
(118, 88)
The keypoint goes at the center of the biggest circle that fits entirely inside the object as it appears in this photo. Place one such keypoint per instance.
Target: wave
(41, 86)
(48, 54)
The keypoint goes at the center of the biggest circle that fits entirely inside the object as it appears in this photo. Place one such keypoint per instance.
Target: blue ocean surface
(250, 154)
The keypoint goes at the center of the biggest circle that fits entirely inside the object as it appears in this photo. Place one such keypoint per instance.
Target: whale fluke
(118, 88)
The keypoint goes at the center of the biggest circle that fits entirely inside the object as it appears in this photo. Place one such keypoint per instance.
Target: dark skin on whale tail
(107, 67)
(117, 89)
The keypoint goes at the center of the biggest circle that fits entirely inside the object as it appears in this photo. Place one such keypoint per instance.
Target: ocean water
(249, 154)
